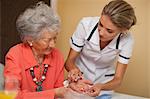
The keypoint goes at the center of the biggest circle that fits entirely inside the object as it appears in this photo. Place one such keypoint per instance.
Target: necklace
(43, 77)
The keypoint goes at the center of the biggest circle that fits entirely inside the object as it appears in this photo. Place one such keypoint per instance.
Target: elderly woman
(34, 68)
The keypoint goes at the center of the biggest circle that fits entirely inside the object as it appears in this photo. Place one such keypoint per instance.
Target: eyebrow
(106, 28)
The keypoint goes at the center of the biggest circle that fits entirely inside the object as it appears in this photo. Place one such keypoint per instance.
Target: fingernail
(82, 89)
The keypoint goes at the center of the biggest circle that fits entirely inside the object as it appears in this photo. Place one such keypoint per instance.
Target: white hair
(33, 20)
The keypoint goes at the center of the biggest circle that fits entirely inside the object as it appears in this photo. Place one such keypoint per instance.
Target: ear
(125, 31)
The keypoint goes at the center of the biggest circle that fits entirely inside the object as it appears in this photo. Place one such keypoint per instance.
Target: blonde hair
(121, 14)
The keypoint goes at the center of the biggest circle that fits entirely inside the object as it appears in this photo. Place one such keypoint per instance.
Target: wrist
(74, 69)
(56, 91)
(100, 86)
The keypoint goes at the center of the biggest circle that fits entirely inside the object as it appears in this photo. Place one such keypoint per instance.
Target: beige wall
(149, 43)
(71, 11)
(137, 78)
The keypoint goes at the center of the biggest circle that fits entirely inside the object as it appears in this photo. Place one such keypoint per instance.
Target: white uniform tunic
(96, 64)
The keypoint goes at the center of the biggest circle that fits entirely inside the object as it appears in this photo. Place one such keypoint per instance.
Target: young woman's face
(46, 43)
(107, 30)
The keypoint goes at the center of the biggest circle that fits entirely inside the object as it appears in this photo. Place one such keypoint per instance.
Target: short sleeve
(78, 38)
(126, 51)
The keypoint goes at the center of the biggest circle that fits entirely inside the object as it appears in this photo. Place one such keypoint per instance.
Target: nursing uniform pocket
(109, 75)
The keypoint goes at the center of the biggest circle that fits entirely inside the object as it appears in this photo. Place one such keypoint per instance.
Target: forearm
(116, 81)
(111, 85)
(70, 65)
(70, 62)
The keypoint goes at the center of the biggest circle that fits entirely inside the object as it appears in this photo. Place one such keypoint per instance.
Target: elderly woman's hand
(74, 75)
(81, 86)
(60, 92)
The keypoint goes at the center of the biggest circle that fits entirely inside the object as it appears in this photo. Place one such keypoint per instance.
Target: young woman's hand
(74, 75)
(94, 90)
(74, 87)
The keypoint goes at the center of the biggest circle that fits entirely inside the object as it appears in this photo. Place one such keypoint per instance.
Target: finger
(80, 73)
(93, 94)
(86, 81)
(71, 76)
(77, 78)
(74, 78)
(76, 89)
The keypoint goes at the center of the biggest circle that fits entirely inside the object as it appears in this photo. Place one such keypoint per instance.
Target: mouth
(49, 49)
(101, 37)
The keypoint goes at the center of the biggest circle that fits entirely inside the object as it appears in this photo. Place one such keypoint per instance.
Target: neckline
(105, 45)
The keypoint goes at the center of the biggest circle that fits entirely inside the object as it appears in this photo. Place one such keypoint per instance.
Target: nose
(52, 43)
(101, 31)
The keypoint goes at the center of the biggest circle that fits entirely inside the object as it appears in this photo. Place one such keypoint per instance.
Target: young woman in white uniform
(97, 44)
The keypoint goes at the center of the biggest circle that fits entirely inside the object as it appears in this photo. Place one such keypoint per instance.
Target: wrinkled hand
(74, 75)
(60, 92)
(81, 86)
(94, 90)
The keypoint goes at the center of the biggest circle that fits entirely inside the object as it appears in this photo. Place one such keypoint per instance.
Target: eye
(55, 38)
(109, 31)
(48, 40)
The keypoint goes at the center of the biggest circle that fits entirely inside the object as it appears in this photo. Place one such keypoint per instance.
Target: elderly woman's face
(46, 43)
